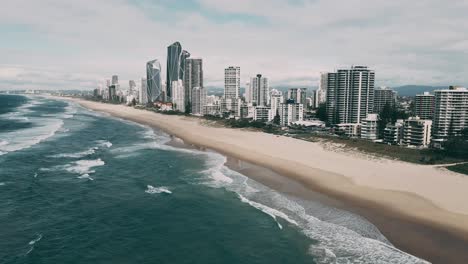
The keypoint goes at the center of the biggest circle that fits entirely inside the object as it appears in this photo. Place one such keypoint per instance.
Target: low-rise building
(417, 132)
(369, 127)
(261, 113)
(393, 133)
(290, 112)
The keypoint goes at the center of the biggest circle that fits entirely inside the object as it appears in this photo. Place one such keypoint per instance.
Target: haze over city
(76, 45)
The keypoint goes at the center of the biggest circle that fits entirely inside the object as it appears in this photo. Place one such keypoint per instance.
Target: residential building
(143, 92)
(351, 130)
(154, 89)
(369, 127)
(173, 69)
(298, 95)
(198, 100)
(424, 105)
(115, 80)
(232, 82)
(383, 96)
(290, 112)
(261, 113)
(178, 96)
(393, 133)
(417, 132)
(350, 95)
(259, 91)
(451, 112)
(212, 110)
(193, 77)
(276, 100)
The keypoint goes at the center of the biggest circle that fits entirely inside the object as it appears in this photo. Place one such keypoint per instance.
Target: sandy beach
(417, 207)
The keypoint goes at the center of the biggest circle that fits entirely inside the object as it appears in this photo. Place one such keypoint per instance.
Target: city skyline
(392, 38)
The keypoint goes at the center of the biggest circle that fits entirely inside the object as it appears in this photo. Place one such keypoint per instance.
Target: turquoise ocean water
(78, 186)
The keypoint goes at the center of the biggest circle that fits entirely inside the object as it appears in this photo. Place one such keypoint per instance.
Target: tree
(277, 119)
(188, 108)
(322, 112)
(134, 102)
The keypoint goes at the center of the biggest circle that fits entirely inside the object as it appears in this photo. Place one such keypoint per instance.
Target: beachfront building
(193, 77)
(232, 82)
(298, 95)
(231, 106)
(451, 113)
(393, 133)
(351, 130)
(417, 132)
(259, 91)
(369, 127)
(276, 100)
(178, 96)
(424, 105)
(112, 93)
(212, 110)
(173, 67)
(350, 95)
(290, 112)
(320, 95)
(143, 92)
(198, 100)
(154, 91)
(383, 96)
(261, 113)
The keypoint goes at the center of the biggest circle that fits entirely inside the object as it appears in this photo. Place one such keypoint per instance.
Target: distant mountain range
(412, 90)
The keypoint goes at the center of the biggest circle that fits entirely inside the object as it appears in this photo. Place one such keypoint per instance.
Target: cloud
(290, 42)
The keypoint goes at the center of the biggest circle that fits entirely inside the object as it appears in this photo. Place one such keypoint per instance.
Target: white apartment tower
(143, 92)
(451, 112)
(178, 95)
(198, 100)
(424, 105)
(350, 95)
(231, 82)
(290, 113)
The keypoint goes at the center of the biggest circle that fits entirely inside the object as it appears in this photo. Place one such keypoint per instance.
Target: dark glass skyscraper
(193, 77)
(174, 71)
(153, 80)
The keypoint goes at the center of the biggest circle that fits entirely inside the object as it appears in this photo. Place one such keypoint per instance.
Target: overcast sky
(65, 44)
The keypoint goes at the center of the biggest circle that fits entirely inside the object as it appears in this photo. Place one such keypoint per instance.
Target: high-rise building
(193, 77)
(369, 127)
(259, 91)
(451, 112)
(298, 95)
(198, 100)
(143, 93)
(178, 96)
(174, 72)
(424, 105)
(232, 82)
(153, 78)
(321, 92)
(290, 112)
(115, 79)
(383, 96)
(350, 95)
(276, 100)
(417, 132)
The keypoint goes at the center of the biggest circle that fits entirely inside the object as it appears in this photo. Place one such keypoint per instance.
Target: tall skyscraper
(198, 100)
(298, 95)
(424, 105)
(382, 97)
(153, 79)
(193, 77)
(174, 71)
(451, 112)
(320, 95)
(178, 95)
(232, 82)
(259, 91)
(350, 95)
(143, 93)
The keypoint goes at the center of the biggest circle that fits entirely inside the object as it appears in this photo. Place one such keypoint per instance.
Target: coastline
(436, 233)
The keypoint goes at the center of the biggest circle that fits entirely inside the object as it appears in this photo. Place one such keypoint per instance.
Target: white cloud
(405, 42)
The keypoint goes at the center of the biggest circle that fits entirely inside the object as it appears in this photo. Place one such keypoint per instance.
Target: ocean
(78, 186)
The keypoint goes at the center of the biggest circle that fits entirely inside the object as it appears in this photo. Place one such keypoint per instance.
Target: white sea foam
(37, 239)
(81, 154)
(84, 166)
(104, 143)
(2, 184)
(86, 176)
(151, 189)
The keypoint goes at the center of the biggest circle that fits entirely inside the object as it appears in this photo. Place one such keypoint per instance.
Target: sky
(78, 44)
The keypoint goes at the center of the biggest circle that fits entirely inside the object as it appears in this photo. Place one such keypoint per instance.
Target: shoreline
(431, 232)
